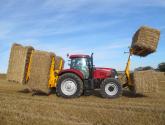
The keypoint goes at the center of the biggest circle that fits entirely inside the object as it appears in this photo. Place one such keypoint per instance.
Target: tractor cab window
(80, 64)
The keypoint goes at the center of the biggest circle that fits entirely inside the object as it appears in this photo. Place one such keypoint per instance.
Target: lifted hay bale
(145, 41)
(145, 81)
(18, 63)
(40, 71)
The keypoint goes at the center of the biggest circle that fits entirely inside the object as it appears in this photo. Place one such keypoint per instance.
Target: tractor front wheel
(110, 88)
(69, 86)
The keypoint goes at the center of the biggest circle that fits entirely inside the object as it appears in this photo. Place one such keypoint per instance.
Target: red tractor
(83, 77)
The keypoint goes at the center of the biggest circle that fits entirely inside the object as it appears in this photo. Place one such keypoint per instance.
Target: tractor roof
(79, 56)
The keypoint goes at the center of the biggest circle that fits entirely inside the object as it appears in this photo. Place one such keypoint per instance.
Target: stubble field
(20, 108)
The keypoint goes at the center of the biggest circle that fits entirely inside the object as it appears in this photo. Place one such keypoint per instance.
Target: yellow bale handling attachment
(127, 74)
(29, 67)
(53, 77)
(127, 69)
(54, 72)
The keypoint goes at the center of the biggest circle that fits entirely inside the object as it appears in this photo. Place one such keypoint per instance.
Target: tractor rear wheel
(110, 88)
(69, 86)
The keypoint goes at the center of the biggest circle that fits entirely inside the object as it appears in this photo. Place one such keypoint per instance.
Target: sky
(104, 27)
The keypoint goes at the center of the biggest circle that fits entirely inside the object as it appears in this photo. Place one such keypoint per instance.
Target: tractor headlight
(116, 77)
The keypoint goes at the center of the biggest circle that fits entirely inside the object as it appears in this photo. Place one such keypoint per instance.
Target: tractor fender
(77, 72)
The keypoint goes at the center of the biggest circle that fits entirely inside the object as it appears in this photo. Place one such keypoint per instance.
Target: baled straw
(18, 63)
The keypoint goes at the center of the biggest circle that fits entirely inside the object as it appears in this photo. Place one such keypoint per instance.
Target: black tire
(88, 92)
(71, 77)
(132, 90)
(115, 87)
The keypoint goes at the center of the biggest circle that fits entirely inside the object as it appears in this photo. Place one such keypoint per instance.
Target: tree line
(160, 67)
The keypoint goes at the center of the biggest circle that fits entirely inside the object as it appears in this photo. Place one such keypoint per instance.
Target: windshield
(80, 64)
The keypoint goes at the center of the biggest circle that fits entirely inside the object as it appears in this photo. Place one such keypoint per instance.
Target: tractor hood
(102, 73)
(103, 68)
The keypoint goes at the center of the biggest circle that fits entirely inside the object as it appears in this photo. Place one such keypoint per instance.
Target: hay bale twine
(18, 63)
(145, 81)
(40, 71)
(145, 41)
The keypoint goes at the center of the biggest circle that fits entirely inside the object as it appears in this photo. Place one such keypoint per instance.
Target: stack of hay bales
(18, 63)
(40, 70)
(161, 76)
(145, 41)
(145, 81)
(34, 67)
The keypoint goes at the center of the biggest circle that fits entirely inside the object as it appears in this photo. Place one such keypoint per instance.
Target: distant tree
(148, 68)
(144, 68)
(161, 67)
(139, 69)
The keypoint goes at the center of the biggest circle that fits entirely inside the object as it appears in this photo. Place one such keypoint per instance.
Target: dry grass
(17, 108)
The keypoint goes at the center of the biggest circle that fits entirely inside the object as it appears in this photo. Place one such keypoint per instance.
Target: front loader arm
(128, 81)
(127, 70)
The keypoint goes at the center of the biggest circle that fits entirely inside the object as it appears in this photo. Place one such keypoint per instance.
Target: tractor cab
(82, 63)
